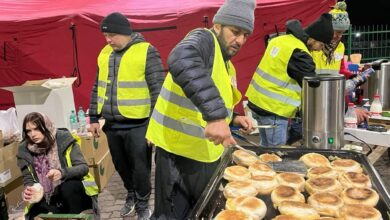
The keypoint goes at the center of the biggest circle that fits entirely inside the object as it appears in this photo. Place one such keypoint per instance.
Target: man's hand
(94, 128)
(54, 175)
(244, 122)
(218, 132)
(27, 193)
(362, 114)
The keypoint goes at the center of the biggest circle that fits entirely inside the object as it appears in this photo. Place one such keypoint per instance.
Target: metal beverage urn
(379, 83)
(323, 111)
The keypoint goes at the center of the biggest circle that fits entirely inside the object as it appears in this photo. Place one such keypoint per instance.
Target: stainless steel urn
(379, 83)
(323, 111)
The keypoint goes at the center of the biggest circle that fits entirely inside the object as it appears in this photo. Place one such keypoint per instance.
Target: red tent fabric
(49, 39)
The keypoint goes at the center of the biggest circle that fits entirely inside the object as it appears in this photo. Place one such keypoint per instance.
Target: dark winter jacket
(301, 64)
(191, 65)
(64, 140)
(154, 76)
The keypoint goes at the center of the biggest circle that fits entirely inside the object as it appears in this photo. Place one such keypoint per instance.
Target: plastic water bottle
(82, 122)
(73, 122)
(376, 106)
(350, 119)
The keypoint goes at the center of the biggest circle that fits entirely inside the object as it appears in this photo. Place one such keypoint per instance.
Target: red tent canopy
(49, 39)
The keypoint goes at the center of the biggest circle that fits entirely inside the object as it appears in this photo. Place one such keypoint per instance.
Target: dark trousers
(179, 183)
(69, 199)
(132, 159)
(3, 205)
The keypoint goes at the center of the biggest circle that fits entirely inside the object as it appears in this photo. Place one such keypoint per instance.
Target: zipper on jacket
(112, 85)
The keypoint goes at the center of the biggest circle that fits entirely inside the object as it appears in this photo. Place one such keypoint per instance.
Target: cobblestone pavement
(113, 196)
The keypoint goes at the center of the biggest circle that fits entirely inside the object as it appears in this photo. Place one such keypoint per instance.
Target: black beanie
(116, 23)
(321, 29)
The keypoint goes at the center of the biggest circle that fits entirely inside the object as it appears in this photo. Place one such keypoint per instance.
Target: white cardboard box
(53, 97)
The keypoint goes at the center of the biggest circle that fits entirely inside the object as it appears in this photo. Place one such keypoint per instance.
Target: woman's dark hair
(38, 120)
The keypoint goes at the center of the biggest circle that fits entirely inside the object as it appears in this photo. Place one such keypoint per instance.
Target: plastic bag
(9, 126)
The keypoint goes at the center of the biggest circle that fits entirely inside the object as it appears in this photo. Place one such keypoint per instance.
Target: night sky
(369, 12)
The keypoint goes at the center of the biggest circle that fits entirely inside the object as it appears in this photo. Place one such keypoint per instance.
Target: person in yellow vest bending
(129, 78)
(190, 123)
(331, 58)
(55, 174)
(274, 93)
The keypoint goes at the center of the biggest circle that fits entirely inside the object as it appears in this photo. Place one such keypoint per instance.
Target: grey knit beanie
(340, 19)
(238, 13)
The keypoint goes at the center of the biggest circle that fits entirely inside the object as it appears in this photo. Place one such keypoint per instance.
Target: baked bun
(354, 179)
(264, 184)
(286, 193)
(346, 165)
(358, 212)
(236, 173)
(266, 157)
(285, 217)
(291, 179)
(250, 205)
(261, 169)
(37, 194)
(239, 188)
(300, 210)
(322, 172)
(326, 203)
(328, 218)
(360, 195)
(314, 160)
(243, 158)
(232, 215)
(323, 184)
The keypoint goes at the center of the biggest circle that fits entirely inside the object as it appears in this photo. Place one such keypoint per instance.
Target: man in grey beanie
(129, 78)
(190, 122)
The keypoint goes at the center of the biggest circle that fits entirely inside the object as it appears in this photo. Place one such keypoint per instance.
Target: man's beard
(223, 44)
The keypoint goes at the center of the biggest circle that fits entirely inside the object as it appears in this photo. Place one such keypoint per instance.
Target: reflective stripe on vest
(271, 88)
(133, 97)
(176, 124)
(90, 186)
(322, 67)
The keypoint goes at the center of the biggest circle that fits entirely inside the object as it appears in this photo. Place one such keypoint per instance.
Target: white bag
(9, 126)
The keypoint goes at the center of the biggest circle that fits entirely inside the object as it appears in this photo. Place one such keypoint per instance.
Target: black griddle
(212, 200)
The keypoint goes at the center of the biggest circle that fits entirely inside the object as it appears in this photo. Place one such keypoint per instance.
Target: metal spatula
(295, 166)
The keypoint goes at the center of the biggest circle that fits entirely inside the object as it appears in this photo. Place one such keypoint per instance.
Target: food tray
(212, 200)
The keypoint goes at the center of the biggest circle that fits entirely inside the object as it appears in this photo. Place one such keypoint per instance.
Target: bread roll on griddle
(358, 212)
(326, 203)
(323, 184)
(243, 158)
(314, 160)
(300, 210)
(360, 195)
(236, 173)
(286, 193)
(354, 179)
(250, 205)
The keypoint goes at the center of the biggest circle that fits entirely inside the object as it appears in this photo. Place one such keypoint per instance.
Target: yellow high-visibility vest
(334, 66)
(176, 124)
(271, 88)
(132, 90)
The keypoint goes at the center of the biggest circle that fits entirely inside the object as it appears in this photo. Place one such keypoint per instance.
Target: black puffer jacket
(154, 76)
(191, 64)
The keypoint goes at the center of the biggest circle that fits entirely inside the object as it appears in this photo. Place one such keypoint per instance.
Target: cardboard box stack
(10, 175)
(98, 157)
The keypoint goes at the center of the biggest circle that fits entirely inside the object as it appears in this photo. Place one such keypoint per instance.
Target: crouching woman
(55, 174)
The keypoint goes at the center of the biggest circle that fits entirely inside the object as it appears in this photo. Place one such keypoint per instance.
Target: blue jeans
(272, 137)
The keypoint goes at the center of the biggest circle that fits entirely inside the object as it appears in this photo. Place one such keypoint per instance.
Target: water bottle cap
(350, 104)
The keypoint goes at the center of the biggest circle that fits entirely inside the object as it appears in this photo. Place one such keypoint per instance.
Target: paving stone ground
(113, 196)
